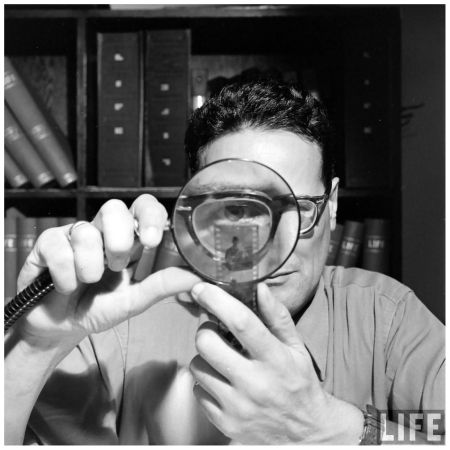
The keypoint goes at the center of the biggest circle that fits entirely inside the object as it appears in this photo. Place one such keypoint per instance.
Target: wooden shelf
(40, 193)
(157, 191)
(175, 11)
(106, 192)
(94, 192)
(192, 12)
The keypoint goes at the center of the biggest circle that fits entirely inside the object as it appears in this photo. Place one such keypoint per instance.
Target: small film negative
(236, 247)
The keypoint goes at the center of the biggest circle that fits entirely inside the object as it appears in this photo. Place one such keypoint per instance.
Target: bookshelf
(226, 39)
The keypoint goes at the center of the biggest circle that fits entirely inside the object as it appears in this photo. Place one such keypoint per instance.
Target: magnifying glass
(235, 223)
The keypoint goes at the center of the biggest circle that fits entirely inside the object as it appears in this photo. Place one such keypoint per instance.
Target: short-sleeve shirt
(370, 338)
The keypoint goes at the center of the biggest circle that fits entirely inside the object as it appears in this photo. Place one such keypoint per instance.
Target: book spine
(26, 237)
(120, 128)
(199, 88)
(66, 221)
(167, 254)
(13, 174)
(145, 264)
(46, 76)
(335, 242)
(10, 258)
(167, 104)
(376, 245)
(44, 223)
(367, 110)
(350, 247)
(52, 148)
(23, 152)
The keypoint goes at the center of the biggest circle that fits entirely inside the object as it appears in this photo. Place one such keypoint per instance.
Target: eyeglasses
(246, 206)
(240, 208)
(311, 210)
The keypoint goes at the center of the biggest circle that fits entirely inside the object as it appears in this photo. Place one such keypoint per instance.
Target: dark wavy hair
(267, 105)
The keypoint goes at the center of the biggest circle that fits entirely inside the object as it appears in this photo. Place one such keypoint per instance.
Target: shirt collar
(313, 328)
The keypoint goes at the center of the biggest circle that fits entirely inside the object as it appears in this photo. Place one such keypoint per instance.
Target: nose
(281, 247)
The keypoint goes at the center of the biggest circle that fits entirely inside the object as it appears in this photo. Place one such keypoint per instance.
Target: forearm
(26, 370)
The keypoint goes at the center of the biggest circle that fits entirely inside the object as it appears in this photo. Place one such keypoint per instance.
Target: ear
(333, 202)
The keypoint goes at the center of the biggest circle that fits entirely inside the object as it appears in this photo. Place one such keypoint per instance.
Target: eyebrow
(268, 190)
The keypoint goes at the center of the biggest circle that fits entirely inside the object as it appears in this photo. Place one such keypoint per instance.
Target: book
(23, 152)
(199, 87)
(376, 245)
(335, 242)
(350, 246)
(145, 264)
(167, 101)
(47, 78)
(44, 223)
(26, 237)
(13, 174)
(368, 111)
(120, 110)
(48, 141)
(10, 258)
(66, 221)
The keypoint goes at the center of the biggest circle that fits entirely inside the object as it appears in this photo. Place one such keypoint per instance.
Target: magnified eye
(235, 212)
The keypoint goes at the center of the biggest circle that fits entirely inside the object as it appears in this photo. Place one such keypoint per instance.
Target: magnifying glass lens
(230, 225)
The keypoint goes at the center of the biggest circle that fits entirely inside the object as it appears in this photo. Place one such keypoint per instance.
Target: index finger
(240, 320)
(151, 218)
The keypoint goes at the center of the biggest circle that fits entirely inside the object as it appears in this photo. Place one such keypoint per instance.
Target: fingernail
(184, 297)
(197, 289)
(151, 236)
(118, 264)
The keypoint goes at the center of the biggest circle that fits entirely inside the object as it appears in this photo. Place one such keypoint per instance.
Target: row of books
(353, 243)
(20, 236)
(148, 84)
(22, 232)
(36, 151)
(361, 244)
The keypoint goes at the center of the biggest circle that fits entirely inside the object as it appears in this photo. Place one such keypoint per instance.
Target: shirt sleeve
(415, 361)
(81, 401)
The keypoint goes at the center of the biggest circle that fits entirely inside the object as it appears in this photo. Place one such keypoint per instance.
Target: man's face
(299, 162)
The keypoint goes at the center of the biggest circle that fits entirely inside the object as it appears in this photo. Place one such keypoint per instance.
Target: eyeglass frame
(322, 199)
(319, 201)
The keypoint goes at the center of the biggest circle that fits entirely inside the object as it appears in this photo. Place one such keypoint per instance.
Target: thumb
(277, 318)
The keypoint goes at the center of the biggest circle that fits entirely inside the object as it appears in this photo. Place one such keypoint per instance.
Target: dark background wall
(423, 153)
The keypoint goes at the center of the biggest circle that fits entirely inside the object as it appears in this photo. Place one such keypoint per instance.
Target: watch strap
(373, 427)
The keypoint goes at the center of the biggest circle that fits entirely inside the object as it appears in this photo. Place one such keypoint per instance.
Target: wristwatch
(373, 427)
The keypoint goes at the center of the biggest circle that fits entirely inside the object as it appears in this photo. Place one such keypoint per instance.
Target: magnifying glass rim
(225, 283)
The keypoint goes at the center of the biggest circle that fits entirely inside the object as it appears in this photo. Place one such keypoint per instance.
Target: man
(117, 362)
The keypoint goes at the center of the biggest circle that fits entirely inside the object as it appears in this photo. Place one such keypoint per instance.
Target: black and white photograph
(224, 224)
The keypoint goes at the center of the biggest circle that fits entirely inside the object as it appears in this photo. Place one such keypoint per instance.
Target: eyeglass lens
(308, 214)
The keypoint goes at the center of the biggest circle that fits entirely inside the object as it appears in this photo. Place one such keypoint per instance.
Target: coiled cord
(27, 298)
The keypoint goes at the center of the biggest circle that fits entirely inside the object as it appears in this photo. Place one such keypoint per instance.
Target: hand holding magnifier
(235, 223)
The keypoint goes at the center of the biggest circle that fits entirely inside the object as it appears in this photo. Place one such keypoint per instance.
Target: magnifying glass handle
(247, 294)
